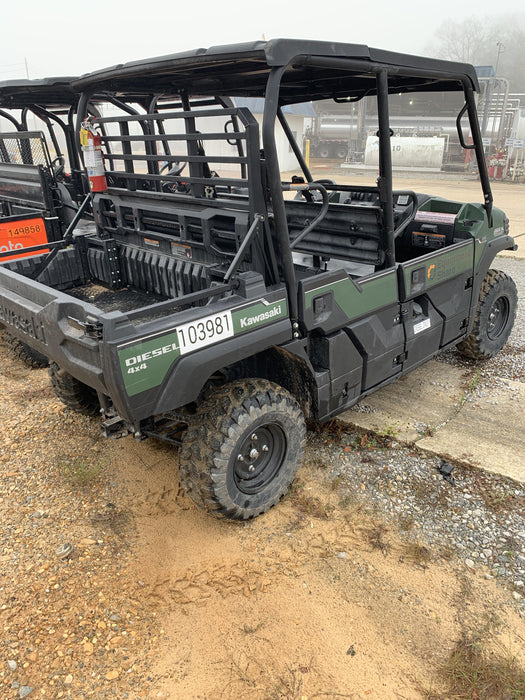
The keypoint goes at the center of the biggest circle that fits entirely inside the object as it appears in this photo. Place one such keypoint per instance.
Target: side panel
(337, 356)
(162, 370)
(436, 296)
(368, 311)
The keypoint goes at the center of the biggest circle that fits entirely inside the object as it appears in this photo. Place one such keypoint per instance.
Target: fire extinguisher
(91, 143)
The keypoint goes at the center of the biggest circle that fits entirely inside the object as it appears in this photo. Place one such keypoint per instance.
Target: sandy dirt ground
(320, 598)
(303, 603)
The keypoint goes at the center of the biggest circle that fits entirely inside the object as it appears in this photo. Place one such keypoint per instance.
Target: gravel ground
(82, 619)
(70, 614)
(477, 516)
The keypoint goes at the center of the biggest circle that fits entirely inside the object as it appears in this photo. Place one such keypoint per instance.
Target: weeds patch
(307, 504)
(497, 501)
(263, 676)
(417, 554)
(473, 670)
(80, 472)
(406, 522)
(375, 537)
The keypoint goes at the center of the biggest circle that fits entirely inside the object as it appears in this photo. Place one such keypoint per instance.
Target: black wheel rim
(259, 458)
(498, 317)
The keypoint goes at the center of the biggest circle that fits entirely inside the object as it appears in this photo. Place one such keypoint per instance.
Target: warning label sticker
(434, 217)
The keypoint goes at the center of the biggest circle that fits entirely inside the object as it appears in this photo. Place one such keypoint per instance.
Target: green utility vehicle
(213, 310)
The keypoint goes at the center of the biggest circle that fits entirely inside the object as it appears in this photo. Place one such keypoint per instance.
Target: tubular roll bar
(425, 75)
(478, 147)
(18, 126)
(271, 108)
(293, 144)
(384, 181)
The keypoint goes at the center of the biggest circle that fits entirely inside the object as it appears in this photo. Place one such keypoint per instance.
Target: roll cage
(291, 71)
(53, 101)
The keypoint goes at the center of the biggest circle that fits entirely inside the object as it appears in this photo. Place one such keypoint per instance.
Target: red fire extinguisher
(91, 143)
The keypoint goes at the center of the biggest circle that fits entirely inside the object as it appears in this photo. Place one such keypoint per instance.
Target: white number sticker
(422, 325)
(205, 331)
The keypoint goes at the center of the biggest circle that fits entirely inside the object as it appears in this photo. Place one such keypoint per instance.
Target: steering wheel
(59, 170)
(174, 168)
(315, 195)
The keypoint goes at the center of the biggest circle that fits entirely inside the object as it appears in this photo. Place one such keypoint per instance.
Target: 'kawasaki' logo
(248, 321)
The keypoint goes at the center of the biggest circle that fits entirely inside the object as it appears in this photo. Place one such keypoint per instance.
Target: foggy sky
(62, 37)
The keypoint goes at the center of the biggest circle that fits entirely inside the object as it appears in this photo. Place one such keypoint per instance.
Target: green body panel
(145, 364)
(259, 314)
(357, 299)
(437, 268)
(471, 219)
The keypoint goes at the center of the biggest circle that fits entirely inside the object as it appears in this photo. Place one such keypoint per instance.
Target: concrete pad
(426, 397)
(433, 407)
(488, 432)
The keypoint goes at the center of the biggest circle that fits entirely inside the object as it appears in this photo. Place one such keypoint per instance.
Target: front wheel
(494, 318)
(242, 453)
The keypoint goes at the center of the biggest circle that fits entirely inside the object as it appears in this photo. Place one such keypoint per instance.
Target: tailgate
(52, 322)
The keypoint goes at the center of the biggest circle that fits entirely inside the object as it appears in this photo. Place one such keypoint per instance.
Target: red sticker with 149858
(24, 233)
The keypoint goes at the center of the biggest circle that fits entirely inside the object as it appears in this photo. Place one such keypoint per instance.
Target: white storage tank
(409, 151)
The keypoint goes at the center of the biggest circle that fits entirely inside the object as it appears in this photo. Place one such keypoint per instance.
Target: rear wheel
(494, 318)
(75, 394)
(241, 455)
(24, 352)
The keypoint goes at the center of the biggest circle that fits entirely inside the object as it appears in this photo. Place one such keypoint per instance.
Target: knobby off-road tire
(494, 317)
(75, 394)
(24, 352)
(240, 456)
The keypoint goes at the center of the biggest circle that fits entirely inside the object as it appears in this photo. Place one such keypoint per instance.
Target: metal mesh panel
(27, 148)
(150, 151)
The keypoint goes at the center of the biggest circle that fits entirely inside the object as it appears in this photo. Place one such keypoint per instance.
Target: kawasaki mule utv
(212, 311)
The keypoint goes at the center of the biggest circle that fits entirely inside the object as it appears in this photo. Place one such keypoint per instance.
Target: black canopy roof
(51, 93)
(314, 70)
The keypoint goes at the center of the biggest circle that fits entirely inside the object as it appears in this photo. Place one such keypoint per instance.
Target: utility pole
(501, 48)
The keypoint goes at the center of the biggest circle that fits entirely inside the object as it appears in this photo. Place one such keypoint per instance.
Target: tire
(241, 455)
(324, 151)
(74, 394)
(494, 317)
(340, 152)
(24, 352)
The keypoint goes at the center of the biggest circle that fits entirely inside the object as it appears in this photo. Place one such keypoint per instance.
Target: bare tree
(463, 41)
(494, 41)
